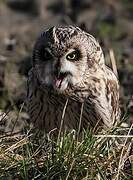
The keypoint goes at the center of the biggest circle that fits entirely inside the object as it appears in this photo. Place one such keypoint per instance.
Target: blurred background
(110, 21)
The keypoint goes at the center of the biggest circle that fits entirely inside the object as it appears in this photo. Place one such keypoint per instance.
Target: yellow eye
(73, 56)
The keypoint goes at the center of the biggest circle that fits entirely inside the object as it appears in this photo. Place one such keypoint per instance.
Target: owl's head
(62, 57)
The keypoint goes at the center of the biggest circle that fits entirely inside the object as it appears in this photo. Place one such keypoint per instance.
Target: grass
(34, 156)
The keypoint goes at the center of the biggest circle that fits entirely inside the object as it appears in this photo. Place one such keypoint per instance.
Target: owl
(69, 85)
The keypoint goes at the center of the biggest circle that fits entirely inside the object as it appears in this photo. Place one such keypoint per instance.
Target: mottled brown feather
(97, 87)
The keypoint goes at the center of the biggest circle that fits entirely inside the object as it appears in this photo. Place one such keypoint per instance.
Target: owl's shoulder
(111, 79)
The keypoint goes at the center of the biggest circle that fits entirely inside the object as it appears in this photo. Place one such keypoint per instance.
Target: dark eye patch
(45, 54)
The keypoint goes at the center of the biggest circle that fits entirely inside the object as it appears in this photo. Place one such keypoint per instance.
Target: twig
(113, 61)
(113, 136)
(119, 167)
(81, 113)
(62, 120)
(70, 169)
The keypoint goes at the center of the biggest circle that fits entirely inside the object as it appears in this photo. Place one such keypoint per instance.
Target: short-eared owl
(68, 66)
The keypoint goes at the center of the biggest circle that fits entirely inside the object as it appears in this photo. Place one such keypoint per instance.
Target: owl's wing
(32, 87)
(32, 95)
(30, 84)
(112, 92)
(106, 103)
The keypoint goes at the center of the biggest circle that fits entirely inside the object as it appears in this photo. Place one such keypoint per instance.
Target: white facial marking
(68, 66)
(54, 35)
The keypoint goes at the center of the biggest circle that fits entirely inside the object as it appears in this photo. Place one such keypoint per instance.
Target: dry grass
(33, 156)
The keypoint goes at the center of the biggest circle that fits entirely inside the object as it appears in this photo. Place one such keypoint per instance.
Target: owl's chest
(52, 110)
(61, 110)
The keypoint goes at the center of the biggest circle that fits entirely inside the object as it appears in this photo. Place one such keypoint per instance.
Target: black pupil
(72, 55)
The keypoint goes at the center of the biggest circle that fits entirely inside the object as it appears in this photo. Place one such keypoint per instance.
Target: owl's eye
(73, 56)
(45, 54)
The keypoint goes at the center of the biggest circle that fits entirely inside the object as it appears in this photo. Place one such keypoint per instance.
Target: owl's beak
(59, 76)
(58, 79)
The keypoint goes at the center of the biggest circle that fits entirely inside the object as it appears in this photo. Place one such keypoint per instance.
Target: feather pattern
(89, 82)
